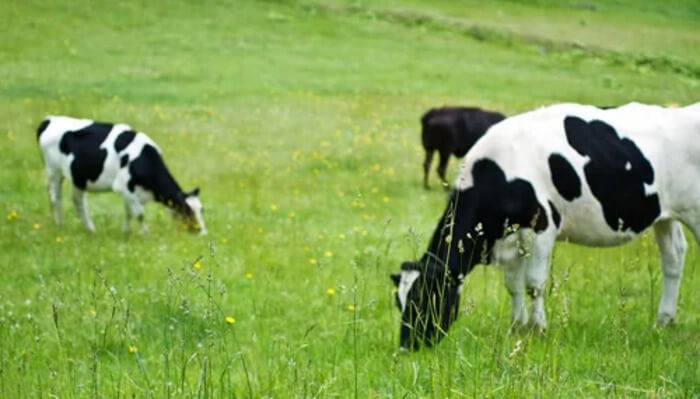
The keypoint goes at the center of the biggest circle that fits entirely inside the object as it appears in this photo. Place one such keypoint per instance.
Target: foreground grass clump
(299, 121)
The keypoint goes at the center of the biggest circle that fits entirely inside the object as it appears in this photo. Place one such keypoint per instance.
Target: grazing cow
(97, 156)
(452, 130)
(565, 172)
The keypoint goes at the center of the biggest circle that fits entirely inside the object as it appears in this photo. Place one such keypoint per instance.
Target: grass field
(299, 121)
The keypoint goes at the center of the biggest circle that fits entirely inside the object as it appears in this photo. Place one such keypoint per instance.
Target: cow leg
(127, 219)
(134, 207)
(54, 182)
(442, 168)
(514, 276)
(537, 274)
(426, 166)
(80, 202)
(672, 247)
(506, 256)
(144, 228)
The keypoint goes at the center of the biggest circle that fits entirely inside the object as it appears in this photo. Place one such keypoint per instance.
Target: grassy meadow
(299, 122)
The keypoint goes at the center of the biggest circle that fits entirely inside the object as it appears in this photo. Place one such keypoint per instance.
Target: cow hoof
(540, 329)
(665, 320)
(538, 323)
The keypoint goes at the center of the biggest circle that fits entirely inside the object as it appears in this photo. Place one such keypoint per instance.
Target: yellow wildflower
(273, 207)
(328, 254)
(133, 349)
(330, 291)
(351, 308)
(59, 239)
(230, 320)
(36, 226)
(313, 261)
(197, 265)
(249, 276)
(12, 215)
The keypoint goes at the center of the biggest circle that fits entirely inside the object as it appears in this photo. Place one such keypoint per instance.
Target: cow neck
(455, 245)
(169, 193)
(158, 179)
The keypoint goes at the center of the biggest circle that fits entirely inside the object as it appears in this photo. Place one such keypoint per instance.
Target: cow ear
(194, 192)
(408, 266)
(396, 278)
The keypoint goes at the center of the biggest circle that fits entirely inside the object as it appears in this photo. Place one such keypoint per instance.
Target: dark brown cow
(453, 130)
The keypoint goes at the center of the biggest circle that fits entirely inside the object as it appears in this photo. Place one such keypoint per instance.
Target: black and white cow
(564, 172)
(97, 156)
(452, 130)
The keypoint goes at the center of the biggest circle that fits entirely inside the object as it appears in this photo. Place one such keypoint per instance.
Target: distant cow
(452, 130)
(565, 172)
(97, 156)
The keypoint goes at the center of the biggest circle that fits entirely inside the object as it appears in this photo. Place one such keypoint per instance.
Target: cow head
(196, 210)
(428, 298)
(189, 207)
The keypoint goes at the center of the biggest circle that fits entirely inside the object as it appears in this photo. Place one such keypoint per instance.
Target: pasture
(299, 121)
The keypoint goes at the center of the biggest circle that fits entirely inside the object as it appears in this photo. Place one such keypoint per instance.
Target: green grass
(299, 121)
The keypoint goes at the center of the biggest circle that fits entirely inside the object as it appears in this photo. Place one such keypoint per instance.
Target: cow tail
(42, 126)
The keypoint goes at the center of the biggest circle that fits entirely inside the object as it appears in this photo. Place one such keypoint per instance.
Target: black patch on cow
(149, 172)
(494, 203)
(124, 160)
(42, 126)
(564, 177)
(616, 173)
(84, 144)
(124, 139)
(556, 217)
